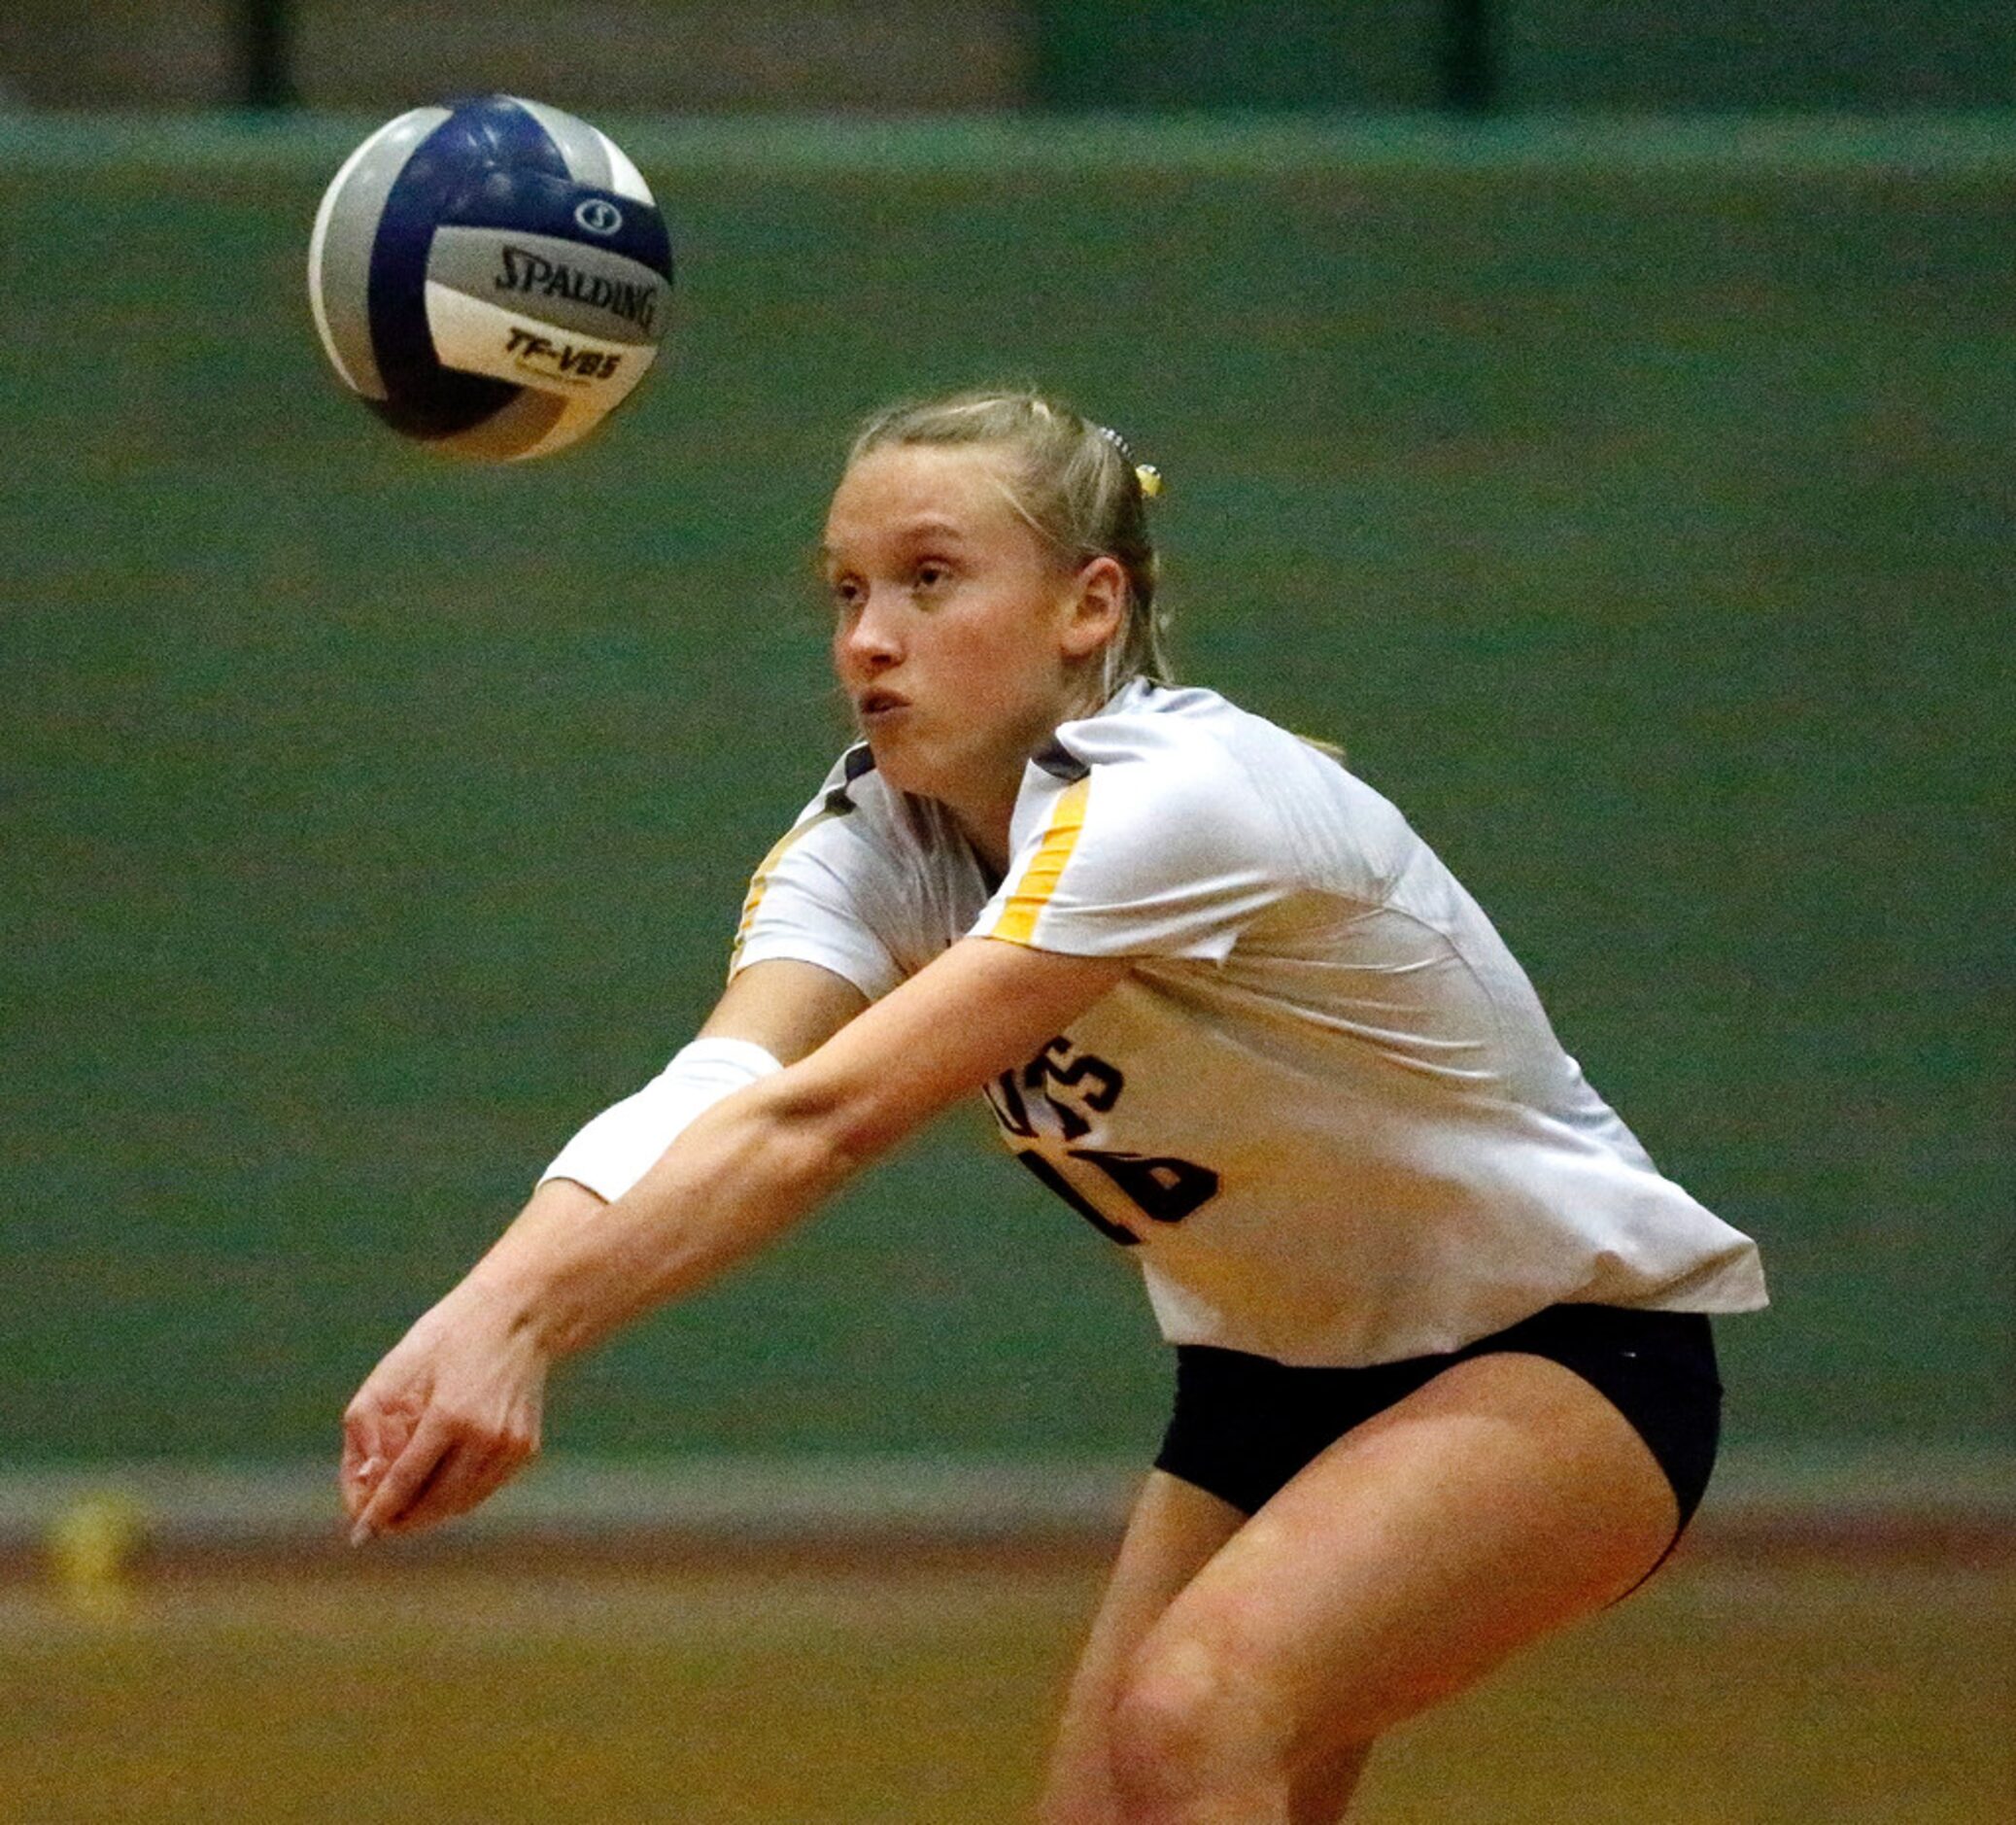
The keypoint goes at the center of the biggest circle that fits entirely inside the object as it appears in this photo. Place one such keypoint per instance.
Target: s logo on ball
(490, 277)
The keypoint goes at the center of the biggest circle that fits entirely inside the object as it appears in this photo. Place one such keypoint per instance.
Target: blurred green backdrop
(1634, 504)
(916, 57)
(1849, 55)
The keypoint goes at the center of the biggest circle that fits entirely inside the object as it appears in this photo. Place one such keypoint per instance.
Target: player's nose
(869, 639)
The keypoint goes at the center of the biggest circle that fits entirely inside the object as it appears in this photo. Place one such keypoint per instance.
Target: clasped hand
(448, 1416)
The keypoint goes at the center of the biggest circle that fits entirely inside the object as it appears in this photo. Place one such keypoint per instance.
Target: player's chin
(897, 754)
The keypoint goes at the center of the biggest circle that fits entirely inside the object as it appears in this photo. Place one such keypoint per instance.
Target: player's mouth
(877, 708)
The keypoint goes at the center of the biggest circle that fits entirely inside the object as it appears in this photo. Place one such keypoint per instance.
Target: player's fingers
(404, 1477)
(357, 1477)
(375, 1426)
(364, 1417)
(467, 1476)
(361, 1427)
(352, 1481)
(372, 1437)
(357, 1482)
(422, 1509)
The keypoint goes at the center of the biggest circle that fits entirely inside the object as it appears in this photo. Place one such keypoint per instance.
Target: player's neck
(986, 826)
(983, 803)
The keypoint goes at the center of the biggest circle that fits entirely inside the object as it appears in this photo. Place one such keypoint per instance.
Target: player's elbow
(827, 1127)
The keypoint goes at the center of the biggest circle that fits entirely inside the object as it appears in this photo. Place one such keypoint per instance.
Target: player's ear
(1099, 606)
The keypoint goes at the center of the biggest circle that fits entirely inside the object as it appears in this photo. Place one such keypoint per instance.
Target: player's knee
(1195, 1717)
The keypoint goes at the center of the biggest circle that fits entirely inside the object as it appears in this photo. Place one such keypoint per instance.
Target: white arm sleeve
(622, 1143)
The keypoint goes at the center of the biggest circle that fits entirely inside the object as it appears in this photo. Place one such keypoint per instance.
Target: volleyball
(490, 277)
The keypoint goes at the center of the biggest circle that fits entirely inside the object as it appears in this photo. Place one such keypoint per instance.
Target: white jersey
(1325, 1109)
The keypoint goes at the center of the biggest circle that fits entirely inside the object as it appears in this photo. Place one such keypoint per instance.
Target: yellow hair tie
(1150, 479)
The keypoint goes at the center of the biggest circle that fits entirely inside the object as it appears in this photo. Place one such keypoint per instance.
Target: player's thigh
(1500, 1501)
(1172, 1535)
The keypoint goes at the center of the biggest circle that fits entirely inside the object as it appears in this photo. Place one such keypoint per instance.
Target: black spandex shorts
(1245, 1425)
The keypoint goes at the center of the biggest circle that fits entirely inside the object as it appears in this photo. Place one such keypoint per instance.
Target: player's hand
(448, 1416)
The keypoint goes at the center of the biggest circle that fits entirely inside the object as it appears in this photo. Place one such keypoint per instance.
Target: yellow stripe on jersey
(759, 882)
(1017, 920)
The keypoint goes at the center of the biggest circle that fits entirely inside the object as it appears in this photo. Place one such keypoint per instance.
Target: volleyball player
(1445, 1380)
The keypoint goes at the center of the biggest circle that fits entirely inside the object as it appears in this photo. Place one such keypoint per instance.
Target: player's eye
(931, 576)
(847, 592)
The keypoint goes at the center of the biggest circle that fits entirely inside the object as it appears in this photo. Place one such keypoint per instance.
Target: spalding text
(526, 272)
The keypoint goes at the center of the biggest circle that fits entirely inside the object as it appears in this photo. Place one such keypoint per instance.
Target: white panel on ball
(479, 338)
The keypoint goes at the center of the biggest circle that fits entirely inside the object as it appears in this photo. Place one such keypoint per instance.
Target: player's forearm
(738, 1177)
(766, 1155)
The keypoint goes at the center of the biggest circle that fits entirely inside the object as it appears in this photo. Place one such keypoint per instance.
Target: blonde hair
(1074, 482)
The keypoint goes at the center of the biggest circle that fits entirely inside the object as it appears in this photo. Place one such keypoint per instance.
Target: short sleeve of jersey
(824, 894)
(1142, 846)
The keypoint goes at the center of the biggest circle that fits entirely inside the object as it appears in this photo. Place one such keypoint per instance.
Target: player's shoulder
(1172, 770)
(1190, 760)
(1178, 742)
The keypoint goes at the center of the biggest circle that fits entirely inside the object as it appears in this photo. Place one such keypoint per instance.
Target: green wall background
(1870, 56)
(1865, 56)
(1635, 505)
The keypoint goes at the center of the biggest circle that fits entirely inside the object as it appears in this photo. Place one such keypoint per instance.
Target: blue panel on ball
(533, 202)
(494, 130)
(424, 398)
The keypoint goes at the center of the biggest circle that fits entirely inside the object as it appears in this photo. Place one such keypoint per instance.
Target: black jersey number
(1163, 1190)
(1080, 1084)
